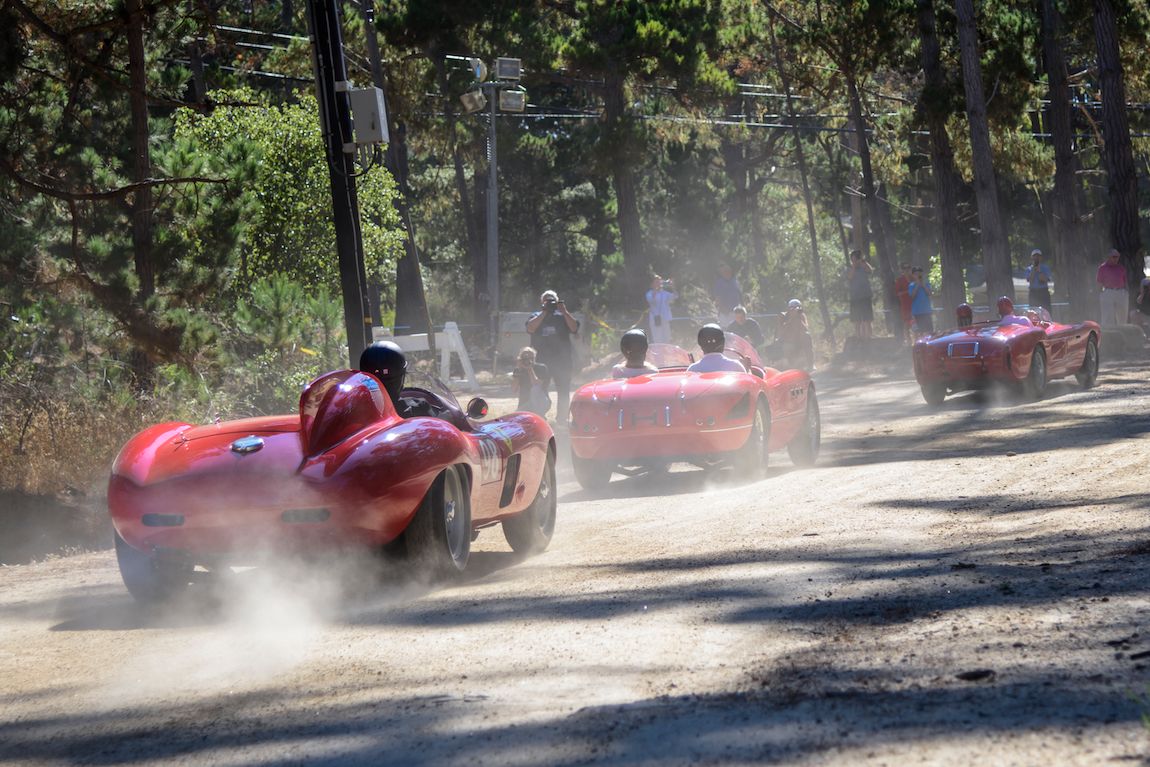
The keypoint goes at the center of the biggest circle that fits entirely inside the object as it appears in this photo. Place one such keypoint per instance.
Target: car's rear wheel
(752, 458)
(804, 448)
(439, 536)
(1035, 384)
(150, 579)
(933, 393)
(1088, 373)
(592, 475)
(530, 531)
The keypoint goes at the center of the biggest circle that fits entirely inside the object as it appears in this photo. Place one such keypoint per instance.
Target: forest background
(166, 245)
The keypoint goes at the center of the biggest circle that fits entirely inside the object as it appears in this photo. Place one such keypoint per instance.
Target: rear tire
(752, 458)
(439, 536)
(804, 448)
(530, 530)
(933, 393)
(593, 476)
(1035, 384)
(150, 580)
(1087, 375)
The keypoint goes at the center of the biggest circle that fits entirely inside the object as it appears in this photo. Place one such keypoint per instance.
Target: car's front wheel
(530, 531)
(1088, 373)
(150, 579)
(804, 448)
(439, 536)
(1034, 386)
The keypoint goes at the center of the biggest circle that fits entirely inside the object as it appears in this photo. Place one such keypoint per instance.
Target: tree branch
(108, 194)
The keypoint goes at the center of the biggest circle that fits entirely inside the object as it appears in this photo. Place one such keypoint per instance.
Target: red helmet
(965, 315)
(1005, 306)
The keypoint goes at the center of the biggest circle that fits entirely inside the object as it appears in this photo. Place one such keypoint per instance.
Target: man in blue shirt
(1038, 276)
(920, 308)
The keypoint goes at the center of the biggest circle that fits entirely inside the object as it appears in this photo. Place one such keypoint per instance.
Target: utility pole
(493, 228)
(335, 120)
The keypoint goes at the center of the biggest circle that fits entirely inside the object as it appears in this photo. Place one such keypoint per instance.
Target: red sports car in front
(345, 470)
(636, 424)
(1028, 356)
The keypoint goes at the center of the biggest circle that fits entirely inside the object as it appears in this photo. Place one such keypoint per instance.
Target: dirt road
(963, 585)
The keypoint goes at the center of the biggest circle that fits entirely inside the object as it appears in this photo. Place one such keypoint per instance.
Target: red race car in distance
(1026, 356)
(345, 470)
(631, 425)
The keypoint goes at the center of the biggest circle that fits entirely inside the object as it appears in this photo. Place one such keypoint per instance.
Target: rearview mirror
(477, 408)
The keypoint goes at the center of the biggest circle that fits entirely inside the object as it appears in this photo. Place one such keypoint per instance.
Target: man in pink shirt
(1113, 298)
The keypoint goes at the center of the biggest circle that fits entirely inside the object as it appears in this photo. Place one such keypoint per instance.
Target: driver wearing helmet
(965, 315)
(1006, 315)
(387, 362)
(711, 341)
(633, 344)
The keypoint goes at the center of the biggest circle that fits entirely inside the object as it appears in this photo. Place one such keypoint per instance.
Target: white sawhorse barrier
(447, 343)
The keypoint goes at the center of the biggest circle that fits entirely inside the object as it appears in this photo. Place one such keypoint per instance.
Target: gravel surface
(961, 585)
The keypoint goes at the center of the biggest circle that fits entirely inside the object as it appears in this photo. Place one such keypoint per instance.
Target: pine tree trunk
(1122, 182)
(946, 179)
(883, 241)
(995, 253)
(1072, 262)
(141, 160)
(636, 269)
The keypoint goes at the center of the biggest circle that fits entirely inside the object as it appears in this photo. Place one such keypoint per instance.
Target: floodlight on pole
(473, 101)
(508, 69)
(512, 100)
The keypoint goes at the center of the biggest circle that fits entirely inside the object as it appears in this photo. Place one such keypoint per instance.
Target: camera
(668, 284)
(550, 306)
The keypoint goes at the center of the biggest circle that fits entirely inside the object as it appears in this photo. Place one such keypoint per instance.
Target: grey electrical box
(369, 115)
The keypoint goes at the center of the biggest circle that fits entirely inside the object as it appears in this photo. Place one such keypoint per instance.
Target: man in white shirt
(633, 344)
(711, 340)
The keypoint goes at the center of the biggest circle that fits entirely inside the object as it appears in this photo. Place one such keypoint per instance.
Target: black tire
(439, 535)
(148, 579)
(752, 458)
(530, 531)
(592, 475)
(804, 448)
(933, 393)
(1087, 375)
(1034, 386)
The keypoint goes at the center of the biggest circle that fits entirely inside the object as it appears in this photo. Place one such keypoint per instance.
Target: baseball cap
(548, 295)
(1036, 252)
(794, 303)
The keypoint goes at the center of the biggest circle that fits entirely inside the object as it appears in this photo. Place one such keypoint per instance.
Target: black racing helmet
(711, 338)
(632, 342)
(387, 362)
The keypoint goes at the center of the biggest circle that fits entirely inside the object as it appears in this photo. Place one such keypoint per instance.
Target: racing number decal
(490, 464)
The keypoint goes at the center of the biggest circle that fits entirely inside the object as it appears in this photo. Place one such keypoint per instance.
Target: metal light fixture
(508, 68)
(512, 100)
(473, 101)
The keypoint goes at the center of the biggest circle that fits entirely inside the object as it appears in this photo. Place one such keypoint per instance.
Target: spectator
(659, 299)
(795, 336)
(1140, 314)
(1112, 298)
(551, 329)
(746, 327)
(1038, 276)
(530, 380)
(633, 344)
(712, 340)
(727, 294)
(920, 307)
(861, 295)
(902, 290)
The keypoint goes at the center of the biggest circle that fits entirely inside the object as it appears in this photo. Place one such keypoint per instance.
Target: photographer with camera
(551, 329)
(659, 299)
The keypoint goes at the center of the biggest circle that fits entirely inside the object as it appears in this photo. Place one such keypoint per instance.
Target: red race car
(1026, 355)
(345, 470)
(643, 423)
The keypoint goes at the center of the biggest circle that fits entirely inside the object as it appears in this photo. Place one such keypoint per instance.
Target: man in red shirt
(902, 290)
(1113, 298)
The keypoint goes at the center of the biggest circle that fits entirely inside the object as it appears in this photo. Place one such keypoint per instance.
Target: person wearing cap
(551, 329)
(1140, 314)
(633, 345)
(1111, 278)
(747, 327)
(920, 306)
(794, 335)
(1038, 277)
